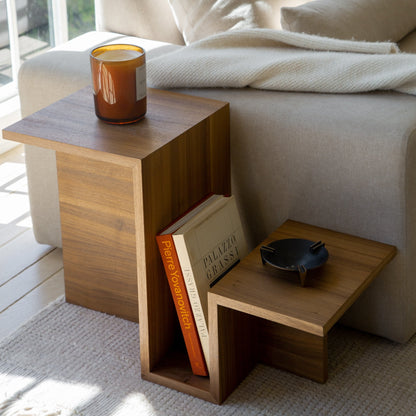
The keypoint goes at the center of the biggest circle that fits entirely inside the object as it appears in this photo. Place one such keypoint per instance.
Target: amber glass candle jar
(119, 83)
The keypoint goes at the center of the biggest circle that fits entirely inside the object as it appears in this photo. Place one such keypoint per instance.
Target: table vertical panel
(174, 178)
(233, 348)
(98, 235)
(290, 349)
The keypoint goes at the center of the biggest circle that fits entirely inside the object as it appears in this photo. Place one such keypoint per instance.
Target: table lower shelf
(246, 341)
(174, 371)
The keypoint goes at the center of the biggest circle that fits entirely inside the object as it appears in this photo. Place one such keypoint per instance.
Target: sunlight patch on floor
(46, 398)
(9, 171)
(13, 207)
(14, 201)
(135, 404)
(26, 222)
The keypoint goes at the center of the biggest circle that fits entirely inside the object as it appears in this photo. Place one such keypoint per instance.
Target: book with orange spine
(208, 246)
(178, 289)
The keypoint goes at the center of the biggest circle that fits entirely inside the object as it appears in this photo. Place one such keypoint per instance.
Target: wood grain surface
(289, 323)
(118, 187)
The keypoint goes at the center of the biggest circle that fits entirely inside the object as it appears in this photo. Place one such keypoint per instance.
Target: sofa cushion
(369, 20)
(148, 19)
(197, 19)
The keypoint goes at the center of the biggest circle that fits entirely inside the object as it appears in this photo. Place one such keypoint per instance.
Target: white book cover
(208, 246)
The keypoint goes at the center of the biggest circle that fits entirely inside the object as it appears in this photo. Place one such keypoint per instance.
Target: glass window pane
(5, 60)
(34, 28)
(81, 17)
(33, 31)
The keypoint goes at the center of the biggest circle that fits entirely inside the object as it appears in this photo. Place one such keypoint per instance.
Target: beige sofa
(342, 161)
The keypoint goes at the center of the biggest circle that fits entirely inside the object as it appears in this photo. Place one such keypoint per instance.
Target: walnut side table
(260, 314)
(118, 187)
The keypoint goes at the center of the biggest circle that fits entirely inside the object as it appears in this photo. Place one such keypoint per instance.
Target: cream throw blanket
(286, 61)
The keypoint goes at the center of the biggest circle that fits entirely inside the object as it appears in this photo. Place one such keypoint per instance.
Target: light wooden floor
(31, 274)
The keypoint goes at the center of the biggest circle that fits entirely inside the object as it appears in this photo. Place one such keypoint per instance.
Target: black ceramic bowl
(295, 254)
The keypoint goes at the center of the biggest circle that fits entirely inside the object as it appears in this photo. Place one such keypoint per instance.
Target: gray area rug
(69, 360)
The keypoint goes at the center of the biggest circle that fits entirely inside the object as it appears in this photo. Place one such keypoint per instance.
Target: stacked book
(197, 250)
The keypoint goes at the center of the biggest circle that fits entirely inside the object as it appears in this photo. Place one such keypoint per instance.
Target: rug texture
(70, 361)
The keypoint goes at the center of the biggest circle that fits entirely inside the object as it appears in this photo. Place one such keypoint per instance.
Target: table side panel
(175, 177)
(233, 347)
(219, 150)
(98, 235)
(292, 350)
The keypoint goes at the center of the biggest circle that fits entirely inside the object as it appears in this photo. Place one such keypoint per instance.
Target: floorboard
(31, 274)
(30, 278)
(20, 312)
(19, 254)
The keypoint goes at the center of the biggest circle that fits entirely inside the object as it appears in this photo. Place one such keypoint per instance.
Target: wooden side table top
(261, 290)
(169, 115)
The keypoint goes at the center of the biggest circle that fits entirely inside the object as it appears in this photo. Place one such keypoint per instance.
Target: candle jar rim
(117, 46)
